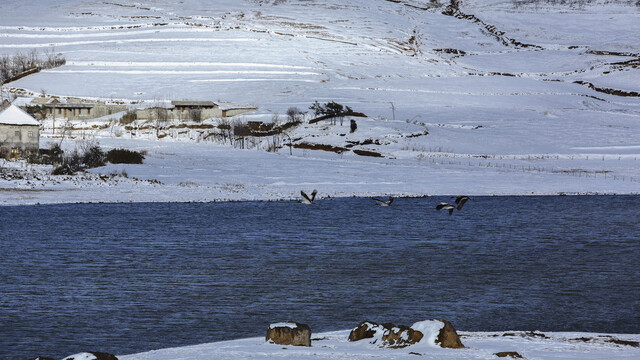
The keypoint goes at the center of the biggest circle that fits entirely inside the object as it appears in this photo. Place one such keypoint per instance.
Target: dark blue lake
(125, 278)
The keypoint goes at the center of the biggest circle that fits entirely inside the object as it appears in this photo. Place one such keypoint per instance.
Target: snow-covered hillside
(516, 98)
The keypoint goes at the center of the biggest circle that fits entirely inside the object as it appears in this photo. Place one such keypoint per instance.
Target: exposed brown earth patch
(512, 354)
(367, 153)
(326, 117)
(453, 9)
(609, 91)
(323, 147)
(451, 51)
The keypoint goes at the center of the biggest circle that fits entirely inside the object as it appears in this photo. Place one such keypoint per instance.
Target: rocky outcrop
(92, 356)
(434, 332)
(448, 337)
(289, 333)
(386, 335)
(440, 333)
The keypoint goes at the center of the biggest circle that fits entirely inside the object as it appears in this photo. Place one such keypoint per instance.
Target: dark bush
(93, 157)
(56, 153)
(129, 117)
(63, 170)
(74, 161)
(124, 156)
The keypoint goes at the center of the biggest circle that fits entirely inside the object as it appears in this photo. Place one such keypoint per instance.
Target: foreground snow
(480, 345)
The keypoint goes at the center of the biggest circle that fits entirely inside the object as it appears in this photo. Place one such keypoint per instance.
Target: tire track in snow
(182, 72)
(165, 64)
(254, 80)
(424, 91)
(81, 28)
(162, 30)
(121, 41)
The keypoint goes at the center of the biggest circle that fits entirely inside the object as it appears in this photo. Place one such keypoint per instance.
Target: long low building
(19, 133)
(181, 110)
(76, 109)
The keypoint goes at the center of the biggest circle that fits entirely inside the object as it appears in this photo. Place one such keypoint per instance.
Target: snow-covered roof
(23, 101)
(13, 115)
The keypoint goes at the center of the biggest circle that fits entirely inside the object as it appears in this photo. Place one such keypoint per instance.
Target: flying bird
(306, 199)
(460, 200)
(384, 203)
(445, 206)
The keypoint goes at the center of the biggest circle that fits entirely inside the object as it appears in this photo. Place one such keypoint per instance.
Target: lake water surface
(125, 278)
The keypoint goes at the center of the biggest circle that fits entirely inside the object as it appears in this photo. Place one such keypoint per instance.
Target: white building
(19, 133)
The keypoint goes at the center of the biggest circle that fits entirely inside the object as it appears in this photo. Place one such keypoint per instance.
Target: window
(3, 150)
(30, 134)
(17, 133)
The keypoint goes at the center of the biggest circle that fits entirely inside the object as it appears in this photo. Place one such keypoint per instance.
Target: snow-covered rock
(439, 333)
(91, 356)
(289, 333)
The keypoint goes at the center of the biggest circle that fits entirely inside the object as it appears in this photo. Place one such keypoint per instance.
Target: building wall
(183, 115)
(24, 138)
(234, 112)
(174, 114)
(98, 110)
(101, 110)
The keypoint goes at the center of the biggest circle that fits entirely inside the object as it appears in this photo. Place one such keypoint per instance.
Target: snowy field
(334, 345)
(483, 102)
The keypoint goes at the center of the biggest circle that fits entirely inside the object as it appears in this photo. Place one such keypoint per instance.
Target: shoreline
(277, 200)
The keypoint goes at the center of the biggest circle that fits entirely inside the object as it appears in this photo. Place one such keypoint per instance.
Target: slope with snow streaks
(478, 97)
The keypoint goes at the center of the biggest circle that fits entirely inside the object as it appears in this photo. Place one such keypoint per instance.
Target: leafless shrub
(128, 117)
(19, 63)
(294, 114)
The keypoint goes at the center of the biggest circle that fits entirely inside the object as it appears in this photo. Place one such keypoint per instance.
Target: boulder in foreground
(91, 356)
(439, 332)
(386, 335)
(289, 333)
(434, 332)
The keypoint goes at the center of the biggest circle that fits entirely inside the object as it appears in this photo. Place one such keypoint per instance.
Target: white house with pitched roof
(19, 133)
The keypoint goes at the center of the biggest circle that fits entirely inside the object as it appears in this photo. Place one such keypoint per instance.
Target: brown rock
(104, 356)
(448, 337)
(392, 336)
(289, 333)
(364, 330)
(400, 336)
(98, 356)
(512, 354)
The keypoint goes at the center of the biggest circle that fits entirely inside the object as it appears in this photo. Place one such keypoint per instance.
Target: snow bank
(480, 345)
(81, 356)
(430, 329)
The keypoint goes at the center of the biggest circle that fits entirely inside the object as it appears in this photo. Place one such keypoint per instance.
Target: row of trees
(331, 110)
(12, 66)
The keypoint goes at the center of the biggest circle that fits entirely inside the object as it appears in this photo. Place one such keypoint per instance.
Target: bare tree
(294, 114)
